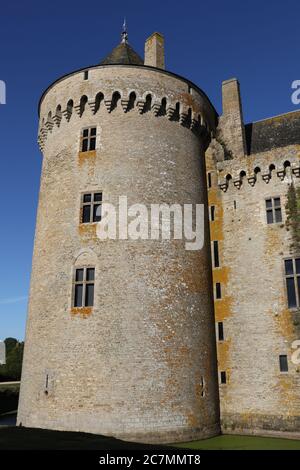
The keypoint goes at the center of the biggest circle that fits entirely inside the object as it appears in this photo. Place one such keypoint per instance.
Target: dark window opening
(84, 287)
(212, 213)
(292, 279)
(209, 180)
(218, 290)
(283, 363)
(216, 254)
(91, 206)
(46, 384)
(220, 331)
(202, 383)
(273, 210)
(86, 75)
(223, 377)
(88, 139)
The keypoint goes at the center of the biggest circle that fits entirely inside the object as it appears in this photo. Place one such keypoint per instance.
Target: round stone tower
(120, 334)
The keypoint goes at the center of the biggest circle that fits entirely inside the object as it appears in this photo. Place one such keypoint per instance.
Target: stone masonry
(258, 326)
(176, 346)
(141, 363)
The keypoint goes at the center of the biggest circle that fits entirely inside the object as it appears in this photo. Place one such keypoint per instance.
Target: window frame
(218, 291)
(219, 330)
(92, 204)
(84, 282)
(88, 139)
(209, 179)
(225, 376)
(216, 250)
(293, 276)
(272, 210)
(287, 363)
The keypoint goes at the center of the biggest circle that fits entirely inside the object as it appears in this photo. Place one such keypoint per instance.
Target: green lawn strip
(236, 442)
(16, 438)
(30, 438)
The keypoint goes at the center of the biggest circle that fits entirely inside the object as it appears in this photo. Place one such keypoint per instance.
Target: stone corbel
(266, 178)
(156, 108)
(92, 105)
(281, 174)
(67, 114)
(252, 180)
(170, 112)
(57, 119)
(49, 125)
(141, 106)
(238, 183)
(223, 187)
(124, 104)
(77, 109)
(108, 105)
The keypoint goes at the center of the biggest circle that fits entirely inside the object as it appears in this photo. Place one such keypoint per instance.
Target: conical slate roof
(123, 54)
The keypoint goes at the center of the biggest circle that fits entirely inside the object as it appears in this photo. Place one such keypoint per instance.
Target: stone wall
(258, 326)
(141, 363)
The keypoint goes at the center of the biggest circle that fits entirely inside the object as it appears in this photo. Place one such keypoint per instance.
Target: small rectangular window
(84, 287)
(86, 75)
(212, 213)
(88, 139)
(78, 295)
(91, 205)
(220, 331)
(273, 210)
(89, 295)
(79, 275)
(283, 363)
(218, 290)
(209, 180)
(216, 254)
(292, 279)
(223, 377)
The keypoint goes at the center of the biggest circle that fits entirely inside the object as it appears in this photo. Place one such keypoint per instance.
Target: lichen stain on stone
(288, 393)
(223, 354)
(87, 157)
(88, 231)
(83, 312)
(192, 420)
(285, 322)
(187, 99)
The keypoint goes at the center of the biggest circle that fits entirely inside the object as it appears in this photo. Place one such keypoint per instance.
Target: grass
(16, 438)
(235, 442)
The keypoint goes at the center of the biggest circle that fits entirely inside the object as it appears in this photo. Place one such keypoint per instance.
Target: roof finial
(124, 33)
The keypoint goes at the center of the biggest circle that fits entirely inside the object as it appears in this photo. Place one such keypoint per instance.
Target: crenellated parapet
(187, 116)
(128, 88)
(247, 171)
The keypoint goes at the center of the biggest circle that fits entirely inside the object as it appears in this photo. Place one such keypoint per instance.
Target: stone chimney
(155, 51)
(231, 125)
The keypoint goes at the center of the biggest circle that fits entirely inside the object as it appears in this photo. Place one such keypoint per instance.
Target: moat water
(8, 420)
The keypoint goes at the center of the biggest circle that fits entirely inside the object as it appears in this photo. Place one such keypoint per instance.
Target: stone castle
(144, 340)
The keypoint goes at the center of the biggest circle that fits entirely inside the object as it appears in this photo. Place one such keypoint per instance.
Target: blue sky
(207, 42)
